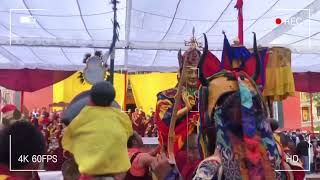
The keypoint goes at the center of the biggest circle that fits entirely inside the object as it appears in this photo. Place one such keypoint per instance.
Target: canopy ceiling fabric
(307, 82)
(31, 80)
(55, 35)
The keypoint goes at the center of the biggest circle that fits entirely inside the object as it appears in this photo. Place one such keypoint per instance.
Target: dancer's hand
(188, 100)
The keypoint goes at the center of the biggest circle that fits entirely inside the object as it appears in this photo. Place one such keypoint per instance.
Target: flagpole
(239, 6)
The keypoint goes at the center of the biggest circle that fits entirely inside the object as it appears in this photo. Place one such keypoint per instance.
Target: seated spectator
(292, 146)
(141, 112)
(295, 138)
(152, 113)
(188, 158)
(155, 131)
(35, 113)
(140, 162)
(298, 131)
(187, 161)
(147, 126)
(25, 140)
(10, 114)
(316, 157)
(35, 118)
(70, 170)
(138, 118)
(149, 130)
(44, 119)
(43, 109)
(55, 148)
(98, 136)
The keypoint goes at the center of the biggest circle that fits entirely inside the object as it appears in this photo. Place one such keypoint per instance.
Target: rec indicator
(293, 21)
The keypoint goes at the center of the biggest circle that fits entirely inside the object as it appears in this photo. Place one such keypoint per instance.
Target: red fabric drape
(307, 82)
(30, 80)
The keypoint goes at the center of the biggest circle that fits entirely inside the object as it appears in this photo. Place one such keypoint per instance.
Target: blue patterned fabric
(263, 53)
(245, 95)
(173, 175)
(250, 123)
(247, 113)
(229, 53)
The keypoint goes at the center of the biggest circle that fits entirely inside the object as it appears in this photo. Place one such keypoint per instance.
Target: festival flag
(226, 61)
(240, 20)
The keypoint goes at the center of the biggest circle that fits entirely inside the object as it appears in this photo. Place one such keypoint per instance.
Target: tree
(317, 128)
(315, 98)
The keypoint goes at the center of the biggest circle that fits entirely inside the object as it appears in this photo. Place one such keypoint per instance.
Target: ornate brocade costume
(184, 126)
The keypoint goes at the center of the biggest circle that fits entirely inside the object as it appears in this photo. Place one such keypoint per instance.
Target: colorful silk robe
(184, 126)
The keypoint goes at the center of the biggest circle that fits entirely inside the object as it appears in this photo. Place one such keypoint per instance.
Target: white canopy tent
(55, 34)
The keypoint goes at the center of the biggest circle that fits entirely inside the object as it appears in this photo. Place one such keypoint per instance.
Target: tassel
(81, 78)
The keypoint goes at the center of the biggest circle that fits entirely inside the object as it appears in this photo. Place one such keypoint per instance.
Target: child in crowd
(98, 136)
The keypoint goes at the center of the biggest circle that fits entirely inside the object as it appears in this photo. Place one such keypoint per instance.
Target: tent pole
(126, 53)
(312, 128)
(125, 91)
(112, 66)
(21, 101)
(115, 38)
(1, 101)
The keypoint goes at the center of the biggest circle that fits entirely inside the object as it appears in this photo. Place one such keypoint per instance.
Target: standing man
(302, 152)
(187, 115)
(180, 105)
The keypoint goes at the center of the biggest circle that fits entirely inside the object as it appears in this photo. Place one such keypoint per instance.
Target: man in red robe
(188, 114)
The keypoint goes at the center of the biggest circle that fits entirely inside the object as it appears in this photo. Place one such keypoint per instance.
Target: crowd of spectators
(49, 123)
(305, 145)
(142, 123)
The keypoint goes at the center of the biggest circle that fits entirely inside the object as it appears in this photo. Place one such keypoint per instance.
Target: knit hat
(8, 111)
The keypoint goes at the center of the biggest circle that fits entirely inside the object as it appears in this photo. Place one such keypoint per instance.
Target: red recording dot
(278, 21)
